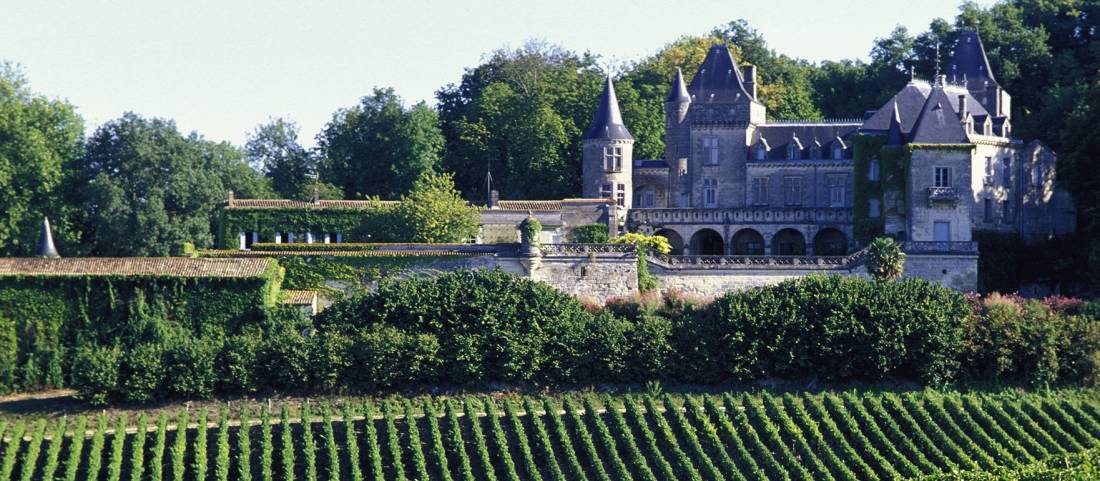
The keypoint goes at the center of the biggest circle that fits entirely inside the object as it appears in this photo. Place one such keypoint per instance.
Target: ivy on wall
(374, 224)
(893, 170)
(349, 272)
(50, 316)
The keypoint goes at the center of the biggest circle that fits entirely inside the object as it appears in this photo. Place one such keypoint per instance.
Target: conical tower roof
(608, 123)
(679, 91)
(718, 78)
(969, 61)
(45, 241)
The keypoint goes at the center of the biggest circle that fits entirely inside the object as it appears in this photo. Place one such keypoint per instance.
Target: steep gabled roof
(969, 62)
(608, 123)
(938, 123)
(679, 91)
(718, 78)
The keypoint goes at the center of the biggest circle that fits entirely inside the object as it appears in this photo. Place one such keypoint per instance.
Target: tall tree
(380, 147)
(39, 140)
(273, 149)
(146, 189)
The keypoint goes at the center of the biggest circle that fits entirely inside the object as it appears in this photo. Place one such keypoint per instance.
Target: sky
(222, 67)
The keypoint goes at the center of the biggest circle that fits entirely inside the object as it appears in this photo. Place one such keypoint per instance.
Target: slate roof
(718, 78)
(938, 123)
(910, 101)
(305, 204)
(678, 92)
(969, 62)
(608, 122)
(778, 136)
(135, 266)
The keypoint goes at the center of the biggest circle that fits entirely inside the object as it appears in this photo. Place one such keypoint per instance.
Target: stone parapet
(753, 215)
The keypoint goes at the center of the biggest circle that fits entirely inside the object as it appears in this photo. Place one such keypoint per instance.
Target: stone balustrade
(746, 215)
(940, 247)
(761, 262)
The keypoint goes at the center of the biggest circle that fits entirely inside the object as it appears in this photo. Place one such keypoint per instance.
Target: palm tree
(885, 260)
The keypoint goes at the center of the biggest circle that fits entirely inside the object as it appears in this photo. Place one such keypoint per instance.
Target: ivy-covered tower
(608, 153)
(677, 138)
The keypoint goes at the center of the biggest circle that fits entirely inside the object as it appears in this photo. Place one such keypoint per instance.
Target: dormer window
(815, 152)
(613, 159)
(761, 153)
(793, 152)
(838, 153)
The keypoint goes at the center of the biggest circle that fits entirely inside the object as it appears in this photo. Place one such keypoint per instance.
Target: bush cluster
(483, 327)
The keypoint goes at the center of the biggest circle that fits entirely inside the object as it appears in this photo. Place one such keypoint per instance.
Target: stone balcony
(743, 215)
(942, 194)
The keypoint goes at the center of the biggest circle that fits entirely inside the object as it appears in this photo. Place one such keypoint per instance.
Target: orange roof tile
(525, 205)
(300, 298)
(135, 266)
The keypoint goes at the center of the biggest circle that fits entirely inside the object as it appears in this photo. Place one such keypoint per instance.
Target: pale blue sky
(221, 67)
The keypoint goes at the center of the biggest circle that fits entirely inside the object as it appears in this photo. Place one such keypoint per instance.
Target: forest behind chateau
(520, 114)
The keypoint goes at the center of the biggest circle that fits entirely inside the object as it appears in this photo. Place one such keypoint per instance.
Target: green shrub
(189, 367)
(649, 348)
(95, 373)
(141, 372)
(491, 326)
(384, 357)
(9, 354)
(589, 234)
(237, 363)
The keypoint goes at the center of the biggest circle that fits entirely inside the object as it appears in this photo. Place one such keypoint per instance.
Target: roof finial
(937, 59)
(912, 74)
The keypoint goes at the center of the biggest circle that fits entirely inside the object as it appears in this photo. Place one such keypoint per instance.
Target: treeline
(482, 328)
(519, 114)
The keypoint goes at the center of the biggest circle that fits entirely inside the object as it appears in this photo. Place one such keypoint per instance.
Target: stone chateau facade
(935, 163)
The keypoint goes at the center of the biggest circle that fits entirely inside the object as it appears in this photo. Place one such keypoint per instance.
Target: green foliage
(434, 212)
(885, 260)
(589, 234)
(375, 223)
(379, 135)
(646, 244)
(273, 149)
(42, 138)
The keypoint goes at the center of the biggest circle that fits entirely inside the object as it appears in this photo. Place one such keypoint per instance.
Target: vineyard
(733, 436)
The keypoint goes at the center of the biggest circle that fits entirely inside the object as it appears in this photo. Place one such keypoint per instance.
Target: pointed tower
(722, 92)
(607, 153)
(969, 66)
(677, 137)
(45, 241)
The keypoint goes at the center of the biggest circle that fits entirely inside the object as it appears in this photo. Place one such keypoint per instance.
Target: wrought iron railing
(942, 194)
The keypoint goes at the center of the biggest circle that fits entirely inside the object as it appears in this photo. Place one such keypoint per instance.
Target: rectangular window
(649, 198)
(760, 191)
(613, 159)
(941, 231)
(1006, 213)
(1037, 175)
(836, 189)
(1007, 172)
(872, 170)
(941, 177)
(605, 191)
(710, 147)
(710, 192)
(874, 208)
(620, 195)
(685, 199)
(792, 190)
(987, 207)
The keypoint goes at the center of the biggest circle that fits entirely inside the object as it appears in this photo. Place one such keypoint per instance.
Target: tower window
(873, 170)
(1037, 175)
(941, 177)
(760, 191)
(1007, 173)
(710, 148)
(613, 158)
(874, 208)
(605, 191)
(710, 193)
(620, 195)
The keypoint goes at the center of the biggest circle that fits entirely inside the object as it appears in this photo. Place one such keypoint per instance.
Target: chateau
(935, 163)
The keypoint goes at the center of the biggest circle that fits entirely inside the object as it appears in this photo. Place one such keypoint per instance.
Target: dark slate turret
(718, 78)
(45, 241)
(894, 136)
(938, 123)
(678, 92)
(608, 123)
(969, 62)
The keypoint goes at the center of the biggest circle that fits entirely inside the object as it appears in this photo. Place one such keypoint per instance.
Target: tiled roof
(234, 254)
(300, 298)
(525, 205)
(303, 204)
(134, 266)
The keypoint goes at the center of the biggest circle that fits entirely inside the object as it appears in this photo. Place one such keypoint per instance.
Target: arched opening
(707, 242)
(830, 242)
(747, 242)
(674, 241)
(789, 242)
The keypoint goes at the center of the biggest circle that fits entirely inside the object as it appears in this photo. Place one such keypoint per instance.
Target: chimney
(229, 202)
(750, 79)
(494, 198)
(962, 107)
